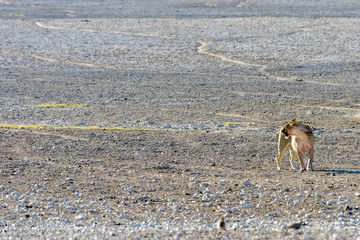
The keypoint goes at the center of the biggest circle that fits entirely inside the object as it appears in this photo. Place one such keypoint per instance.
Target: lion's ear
(294, 122)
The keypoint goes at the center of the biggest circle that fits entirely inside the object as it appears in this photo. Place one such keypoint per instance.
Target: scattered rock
(297, 225)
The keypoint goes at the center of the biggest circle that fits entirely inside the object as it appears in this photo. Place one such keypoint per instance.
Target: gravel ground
(109, 184)
(155, 118)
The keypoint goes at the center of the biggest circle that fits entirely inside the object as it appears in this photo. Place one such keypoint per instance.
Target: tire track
(5, 2)
(262, 69)
(201, 49)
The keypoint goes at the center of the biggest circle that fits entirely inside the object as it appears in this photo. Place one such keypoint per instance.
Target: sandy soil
(173, 184)
(192, 95)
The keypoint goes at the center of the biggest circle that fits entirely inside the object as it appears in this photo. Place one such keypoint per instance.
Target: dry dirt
(159, 66)
(173, 184)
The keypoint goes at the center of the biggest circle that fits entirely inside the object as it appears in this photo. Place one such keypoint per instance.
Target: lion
(299, 138)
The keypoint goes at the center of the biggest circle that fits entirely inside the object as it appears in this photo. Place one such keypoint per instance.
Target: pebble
(276, 200)
(80, 217)
(76, 217)
(246, 183)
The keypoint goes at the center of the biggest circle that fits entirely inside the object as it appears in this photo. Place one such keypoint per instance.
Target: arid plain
(156, 120)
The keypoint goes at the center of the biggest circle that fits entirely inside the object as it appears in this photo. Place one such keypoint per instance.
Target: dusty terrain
(102, 184)
(155, 118)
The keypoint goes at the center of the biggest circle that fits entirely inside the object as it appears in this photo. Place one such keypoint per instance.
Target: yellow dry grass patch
(92, 128)
(232, 123)
(61, 105)
(239, 123)
(12, 15)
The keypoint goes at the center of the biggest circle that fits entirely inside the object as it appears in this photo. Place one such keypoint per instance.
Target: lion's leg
(292, 156)
(302, 162)
(311, 157)
(283, 143)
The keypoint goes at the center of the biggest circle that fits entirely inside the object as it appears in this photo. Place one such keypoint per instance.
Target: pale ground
(177, 65)
(135, 184)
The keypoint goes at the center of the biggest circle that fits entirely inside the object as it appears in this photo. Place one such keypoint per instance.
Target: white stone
(222, 182)
(80, 217)
(246, 183)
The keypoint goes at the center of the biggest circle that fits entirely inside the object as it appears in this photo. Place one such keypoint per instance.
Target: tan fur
(300, 139)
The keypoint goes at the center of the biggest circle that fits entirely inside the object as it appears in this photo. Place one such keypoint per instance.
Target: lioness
(300, 139)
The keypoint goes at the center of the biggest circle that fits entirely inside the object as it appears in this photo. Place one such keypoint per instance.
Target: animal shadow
(337, 171)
